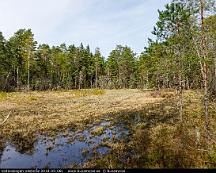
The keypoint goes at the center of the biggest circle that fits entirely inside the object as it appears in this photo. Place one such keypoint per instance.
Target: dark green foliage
(4, 64)
(172, 61)
(121, 68)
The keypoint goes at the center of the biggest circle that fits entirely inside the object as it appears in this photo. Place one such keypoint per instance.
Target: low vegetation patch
(48, 112)
(160, 140)
(98, 131)
(3, 96)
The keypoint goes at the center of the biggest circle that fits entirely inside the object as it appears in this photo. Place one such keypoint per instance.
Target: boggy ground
(54, 111)
(155, 138)
(158, 139)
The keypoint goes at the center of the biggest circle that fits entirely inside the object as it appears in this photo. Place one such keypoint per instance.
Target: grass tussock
(98, 131)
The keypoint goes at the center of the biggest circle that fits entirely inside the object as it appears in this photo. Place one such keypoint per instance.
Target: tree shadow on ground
(156, 139)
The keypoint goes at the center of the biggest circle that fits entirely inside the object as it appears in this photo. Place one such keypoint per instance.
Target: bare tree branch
(5, 119)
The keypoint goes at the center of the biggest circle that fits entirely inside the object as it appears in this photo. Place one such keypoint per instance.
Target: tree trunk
(147, 81)
(80, 79)
(79, 86)
(17, 77)
(180, 93)
(187, 84)
(6, 80)
(204, 67)
(214, 77)
(215, 71)
(75, 82)
(28, 86)
(96, 76)
(91, 82)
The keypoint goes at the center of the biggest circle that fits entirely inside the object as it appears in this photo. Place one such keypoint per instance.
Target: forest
(183, 53)
(177, 69)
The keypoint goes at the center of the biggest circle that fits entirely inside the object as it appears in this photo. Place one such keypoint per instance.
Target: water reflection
(64, 150)
(76, 147)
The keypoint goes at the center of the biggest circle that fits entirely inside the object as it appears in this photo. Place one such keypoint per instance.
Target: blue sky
(99, 23)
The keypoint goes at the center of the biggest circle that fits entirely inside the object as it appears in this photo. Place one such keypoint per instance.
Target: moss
(3, 96)
(81, 138)
(87, 92)
(85, 152)
(24, 143)
(98, 131)
(106, 139)
(140, 126)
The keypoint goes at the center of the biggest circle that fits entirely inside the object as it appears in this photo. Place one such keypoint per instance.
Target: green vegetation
(172, 59)
(98, 131)
(3, 95)
(165, 96)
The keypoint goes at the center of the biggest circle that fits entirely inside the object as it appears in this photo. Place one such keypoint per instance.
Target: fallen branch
(198, 149)
(5, 119)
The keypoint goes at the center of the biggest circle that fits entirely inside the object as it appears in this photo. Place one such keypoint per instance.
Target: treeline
(184, 55)
(25, 66)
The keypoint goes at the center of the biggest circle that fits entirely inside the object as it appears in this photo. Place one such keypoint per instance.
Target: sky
(99, 23)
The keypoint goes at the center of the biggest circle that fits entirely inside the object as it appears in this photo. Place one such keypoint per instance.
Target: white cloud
(42, 16)
(102, 23)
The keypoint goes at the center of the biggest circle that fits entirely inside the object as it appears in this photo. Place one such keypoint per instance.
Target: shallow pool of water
(64, 150)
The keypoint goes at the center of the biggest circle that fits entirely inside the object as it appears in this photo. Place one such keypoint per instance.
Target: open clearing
(47, 111)
(130, 128)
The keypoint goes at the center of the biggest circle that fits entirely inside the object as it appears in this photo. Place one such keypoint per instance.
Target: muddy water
(65, 149)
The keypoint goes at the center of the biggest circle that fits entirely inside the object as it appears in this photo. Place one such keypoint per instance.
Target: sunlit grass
(87, 92)
(3, 96)
(52, 111)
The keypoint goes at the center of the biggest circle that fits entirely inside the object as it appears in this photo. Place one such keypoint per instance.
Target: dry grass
(161, 141)
(51, 111)
(158, 141)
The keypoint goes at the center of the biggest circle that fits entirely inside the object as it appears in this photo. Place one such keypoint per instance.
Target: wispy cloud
(100, 23)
